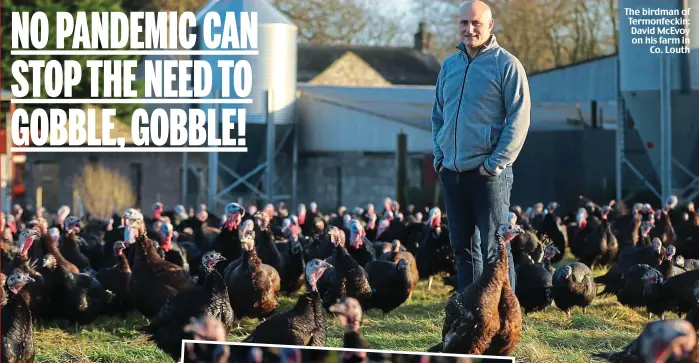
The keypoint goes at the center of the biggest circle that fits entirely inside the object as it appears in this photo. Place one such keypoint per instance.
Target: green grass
(415, 326)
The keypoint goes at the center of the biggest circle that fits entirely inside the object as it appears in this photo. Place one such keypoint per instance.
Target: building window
(136, 181)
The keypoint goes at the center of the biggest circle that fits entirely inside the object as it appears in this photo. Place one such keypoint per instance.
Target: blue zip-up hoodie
(481, 111)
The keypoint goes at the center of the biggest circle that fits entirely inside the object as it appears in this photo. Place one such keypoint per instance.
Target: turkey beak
(322, 266)
(518, 229)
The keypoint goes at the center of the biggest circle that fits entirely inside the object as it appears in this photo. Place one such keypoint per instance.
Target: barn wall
(329, 128)
(556, 165)
(560, 166)
(593, 80)
(553, 166)
(160, 175)
(352, 179)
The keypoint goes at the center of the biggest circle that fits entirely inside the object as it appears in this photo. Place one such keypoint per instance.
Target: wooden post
(593, 114)
(401, 167)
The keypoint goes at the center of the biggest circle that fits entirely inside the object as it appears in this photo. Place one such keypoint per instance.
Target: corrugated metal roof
(586, 81)
(398, 65)
(412, 105)
(408, 105)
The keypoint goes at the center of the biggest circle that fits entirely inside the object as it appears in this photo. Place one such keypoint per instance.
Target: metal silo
(274, 71)
(649, 75)
(274, 68)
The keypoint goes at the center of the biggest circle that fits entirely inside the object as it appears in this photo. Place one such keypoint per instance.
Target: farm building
(337, 111)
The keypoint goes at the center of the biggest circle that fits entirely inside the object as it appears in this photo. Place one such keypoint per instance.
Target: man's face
(475, 25)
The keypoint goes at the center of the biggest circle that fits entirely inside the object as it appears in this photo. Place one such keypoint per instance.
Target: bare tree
(334, 21)
(612, 9)
(553, 19)
(543, 34)
(180, 6)
(104, 191)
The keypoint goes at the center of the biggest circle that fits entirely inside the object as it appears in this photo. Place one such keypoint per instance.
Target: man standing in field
(480, 120)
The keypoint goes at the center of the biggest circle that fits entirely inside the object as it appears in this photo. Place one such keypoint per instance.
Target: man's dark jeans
(476, 205)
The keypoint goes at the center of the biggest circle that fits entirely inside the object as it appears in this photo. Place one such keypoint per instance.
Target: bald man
(480, 120)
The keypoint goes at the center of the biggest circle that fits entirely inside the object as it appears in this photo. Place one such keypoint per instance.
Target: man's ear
(492, 22)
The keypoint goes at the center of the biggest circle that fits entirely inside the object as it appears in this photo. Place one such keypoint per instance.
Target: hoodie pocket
(474, 139)
(488, 133)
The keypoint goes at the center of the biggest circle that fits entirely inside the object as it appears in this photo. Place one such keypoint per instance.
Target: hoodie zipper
(458, 108)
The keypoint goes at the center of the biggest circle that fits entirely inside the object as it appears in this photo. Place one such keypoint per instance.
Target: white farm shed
(349, 118)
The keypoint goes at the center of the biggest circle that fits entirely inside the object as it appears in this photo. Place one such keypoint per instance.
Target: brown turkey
(505, 341)
(153, 279)
(253, 286)
(472, 317)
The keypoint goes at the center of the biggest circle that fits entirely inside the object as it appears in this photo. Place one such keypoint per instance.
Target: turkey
(693, 314)
(533, 289)
(573, 285)
(672, 340)
(153, 279)
(348, 277)
(211, 299)
(17, 328)
(649, 255)
(390, 284)
(395, 255)
(227, 241)
(435, 254)
(253, 286)
(667, 266)
(472, 317)
(304, 324)
(672, 294)
(551, 228)
(632, 285)
(349, 313)
(206, 328)
(117, 279)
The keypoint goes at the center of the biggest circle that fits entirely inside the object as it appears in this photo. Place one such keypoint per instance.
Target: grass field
(415, 326)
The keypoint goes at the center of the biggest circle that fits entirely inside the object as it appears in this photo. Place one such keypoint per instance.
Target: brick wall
(365, 178)
(352, 179)
(160, 175)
